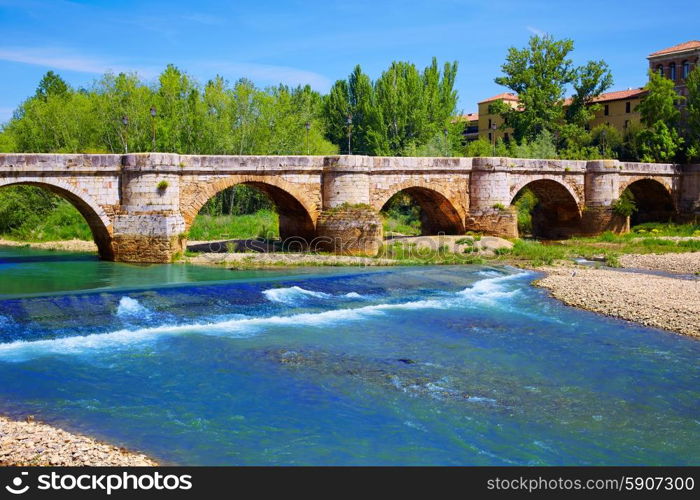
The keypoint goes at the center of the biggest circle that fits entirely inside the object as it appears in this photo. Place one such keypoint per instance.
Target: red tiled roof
(469, 117)
(506, 96)
(693, 44)
(620, 94)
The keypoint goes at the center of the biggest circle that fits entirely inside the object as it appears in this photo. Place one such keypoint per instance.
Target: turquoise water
(429, 365)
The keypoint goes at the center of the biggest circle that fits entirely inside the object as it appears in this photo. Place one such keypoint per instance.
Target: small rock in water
(406, 361)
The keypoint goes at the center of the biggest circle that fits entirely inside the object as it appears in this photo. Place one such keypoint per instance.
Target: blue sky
(318, 42)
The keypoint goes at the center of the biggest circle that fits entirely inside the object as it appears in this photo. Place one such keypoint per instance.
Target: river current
(465, 365)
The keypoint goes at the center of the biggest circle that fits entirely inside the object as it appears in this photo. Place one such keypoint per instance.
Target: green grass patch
(261, 224)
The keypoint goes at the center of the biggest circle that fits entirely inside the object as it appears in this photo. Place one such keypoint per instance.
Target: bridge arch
(556, 212)
(297, 216)
(653, 200)
(95, 216)
(438, 213)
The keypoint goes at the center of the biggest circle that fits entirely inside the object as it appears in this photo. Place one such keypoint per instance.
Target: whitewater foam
(239, 327)
(131, 308)
(294, 294)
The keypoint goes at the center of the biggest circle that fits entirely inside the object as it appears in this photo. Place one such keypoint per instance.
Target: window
(506, 137)
(660, 69)
(489, 123)
(607, 110)
(490, 136)
(672, 71)
(685, 71)
(627, 124)
(628, 107)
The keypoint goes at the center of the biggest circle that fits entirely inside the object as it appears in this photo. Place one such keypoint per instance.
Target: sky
(318, 42)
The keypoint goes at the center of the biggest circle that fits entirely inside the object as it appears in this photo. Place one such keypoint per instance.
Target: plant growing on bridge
(162, 185)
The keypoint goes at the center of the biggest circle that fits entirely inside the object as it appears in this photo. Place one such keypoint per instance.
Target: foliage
(402, 215)
(658, 143)
(693, 114)
(525, 203)
(539, 75)
(263, 223)
(607, 141)
(401, 111)
(33, 214)
(625, 204)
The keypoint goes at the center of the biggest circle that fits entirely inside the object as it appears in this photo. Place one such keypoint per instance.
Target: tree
(659, 140)
(692, 83)
(539, 74)
(401, 112)
(52, 85)
(660, 104)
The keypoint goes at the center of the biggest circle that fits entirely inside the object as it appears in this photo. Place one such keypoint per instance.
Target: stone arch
(297, 215)
(557, 213)
(438, 213)
(95, 216)
(653, 198)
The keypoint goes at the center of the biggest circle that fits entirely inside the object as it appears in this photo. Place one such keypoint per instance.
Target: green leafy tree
(692, 83)
(659, 140)
(539, 74)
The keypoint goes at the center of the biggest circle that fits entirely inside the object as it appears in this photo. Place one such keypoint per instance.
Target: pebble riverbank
(656, 301)
(33, 443)
(681, 263)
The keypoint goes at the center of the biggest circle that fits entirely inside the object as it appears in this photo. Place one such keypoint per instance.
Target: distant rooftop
(692, 44)
(620, 94)
(505, 96)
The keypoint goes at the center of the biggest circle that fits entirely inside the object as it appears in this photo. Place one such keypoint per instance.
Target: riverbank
(73, 245)
(664, 302)
(32, 443)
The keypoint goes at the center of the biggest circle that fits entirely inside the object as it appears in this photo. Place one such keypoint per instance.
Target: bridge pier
(348, 225)
(490, 211)
(602, 185)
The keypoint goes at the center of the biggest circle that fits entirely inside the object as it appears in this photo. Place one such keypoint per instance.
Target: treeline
(547, 125)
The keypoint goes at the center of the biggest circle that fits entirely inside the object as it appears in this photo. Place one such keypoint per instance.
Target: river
(465, 365)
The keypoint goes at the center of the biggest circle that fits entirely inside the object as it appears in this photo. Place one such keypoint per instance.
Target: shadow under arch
(556, 213)
(295, 220)
(653, 200)
(93, 215)
(438, 215)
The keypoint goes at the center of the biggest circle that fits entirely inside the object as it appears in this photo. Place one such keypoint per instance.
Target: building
(471, 127)
(617, 108)
(676, 63)
(490, 124)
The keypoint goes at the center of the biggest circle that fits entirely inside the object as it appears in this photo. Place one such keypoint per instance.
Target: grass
(397, 223)
(643, 239)
(262, 224)
(63, 223)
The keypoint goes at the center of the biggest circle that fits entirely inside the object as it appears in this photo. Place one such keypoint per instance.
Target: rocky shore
(681, 263)
(32, 443)
(655, 301)
(64, 245)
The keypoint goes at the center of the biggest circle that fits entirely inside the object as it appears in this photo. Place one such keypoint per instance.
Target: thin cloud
(64, 60)
(536, 31)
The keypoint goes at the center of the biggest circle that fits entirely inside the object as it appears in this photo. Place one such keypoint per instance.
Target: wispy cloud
(66, 60)
(266, 73)
(536, 31)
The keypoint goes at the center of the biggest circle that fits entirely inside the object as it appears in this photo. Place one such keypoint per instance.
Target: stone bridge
(141, 206)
